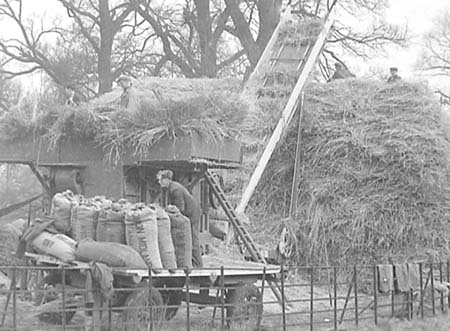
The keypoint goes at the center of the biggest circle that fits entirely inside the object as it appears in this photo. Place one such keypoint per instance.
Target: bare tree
(30, 47)
(265, 14)
(100, 32)
(100, 23)
(436, 53)
(191, 36)
(9, 93)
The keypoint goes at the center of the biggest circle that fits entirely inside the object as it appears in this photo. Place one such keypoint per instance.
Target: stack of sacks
(154, 238)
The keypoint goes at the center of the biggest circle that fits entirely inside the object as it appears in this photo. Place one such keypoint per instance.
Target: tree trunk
(105, 76)
(269, 12)
(208, 51)
(242, 31)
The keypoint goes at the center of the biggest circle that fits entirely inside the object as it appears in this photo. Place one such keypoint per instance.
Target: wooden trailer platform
(220, 283)
(212, 267)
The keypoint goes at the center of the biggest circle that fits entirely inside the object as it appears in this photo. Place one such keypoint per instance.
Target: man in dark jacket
(179, 196)
(394, 75)
(125, 83)
(341, 72)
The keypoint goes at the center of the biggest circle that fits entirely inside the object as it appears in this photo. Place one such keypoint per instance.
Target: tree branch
(159, 65)
(76, 13)
(231, 59)
(69, 5)
(220, 25)
(164, 37)
(117, 23)
(12, 74)
(244, 34)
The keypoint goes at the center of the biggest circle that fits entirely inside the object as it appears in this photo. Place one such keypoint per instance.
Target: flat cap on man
(124, 78)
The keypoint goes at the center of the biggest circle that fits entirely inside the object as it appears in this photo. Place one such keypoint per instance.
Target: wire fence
(311, 298)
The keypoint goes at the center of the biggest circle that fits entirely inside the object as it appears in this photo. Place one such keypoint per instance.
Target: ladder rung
(287, 59)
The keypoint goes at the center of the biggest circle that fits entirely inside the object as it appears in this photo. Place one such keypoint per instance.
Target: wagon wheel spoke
(141, 309)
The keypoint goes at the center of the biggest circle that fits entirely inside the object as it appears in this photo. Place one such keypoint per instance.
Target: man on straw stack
(341, 72)
(179, 196)
(394, 75)
(72, 98)
(125, 83)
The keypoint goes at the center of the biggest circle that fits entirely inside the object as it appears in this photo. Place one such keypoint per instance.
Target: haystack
(157, 109)
(375, 175)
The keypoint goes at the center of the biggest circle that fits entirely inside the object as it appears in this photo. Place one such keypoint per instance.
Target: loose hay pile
(157, 108)
(375, 175)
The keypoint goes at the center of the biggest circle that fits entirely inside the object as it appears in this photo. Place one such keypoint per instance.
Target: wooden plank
(297, 162)
(286, 116)
(249, 268)
(9, 209)
(203, 272)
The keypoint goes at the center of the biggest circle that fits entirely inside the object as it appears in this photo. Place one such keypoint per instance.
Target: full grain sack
(111, 225)
(218, 223)
(165, 242)
(142, 233)
(62, 204)
(181, 236)
(84, 220)
(57, 245)
(110, 253)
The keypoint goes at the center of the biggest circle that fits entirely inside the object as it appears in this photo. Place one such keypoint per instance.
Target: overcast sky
(418, 13)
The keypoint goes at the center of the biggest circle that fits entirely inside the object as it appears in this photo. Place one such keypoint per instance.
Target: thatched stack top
(152, 91)
(157, 108)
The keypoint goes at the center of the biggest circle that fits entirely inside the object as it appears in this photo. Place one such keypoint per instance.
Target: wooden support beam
(9, 209)
(287, 114)
(39, 177)
(297, 163)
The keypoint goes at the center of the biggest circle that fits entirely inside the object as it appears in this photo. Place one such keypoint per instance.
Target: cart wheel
(46, 292)
(244, 306)
(139, 307)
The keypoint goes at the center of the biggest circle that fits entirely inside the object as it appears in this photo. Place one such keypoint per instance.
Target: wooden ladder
(243, 235)
(239, 228)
